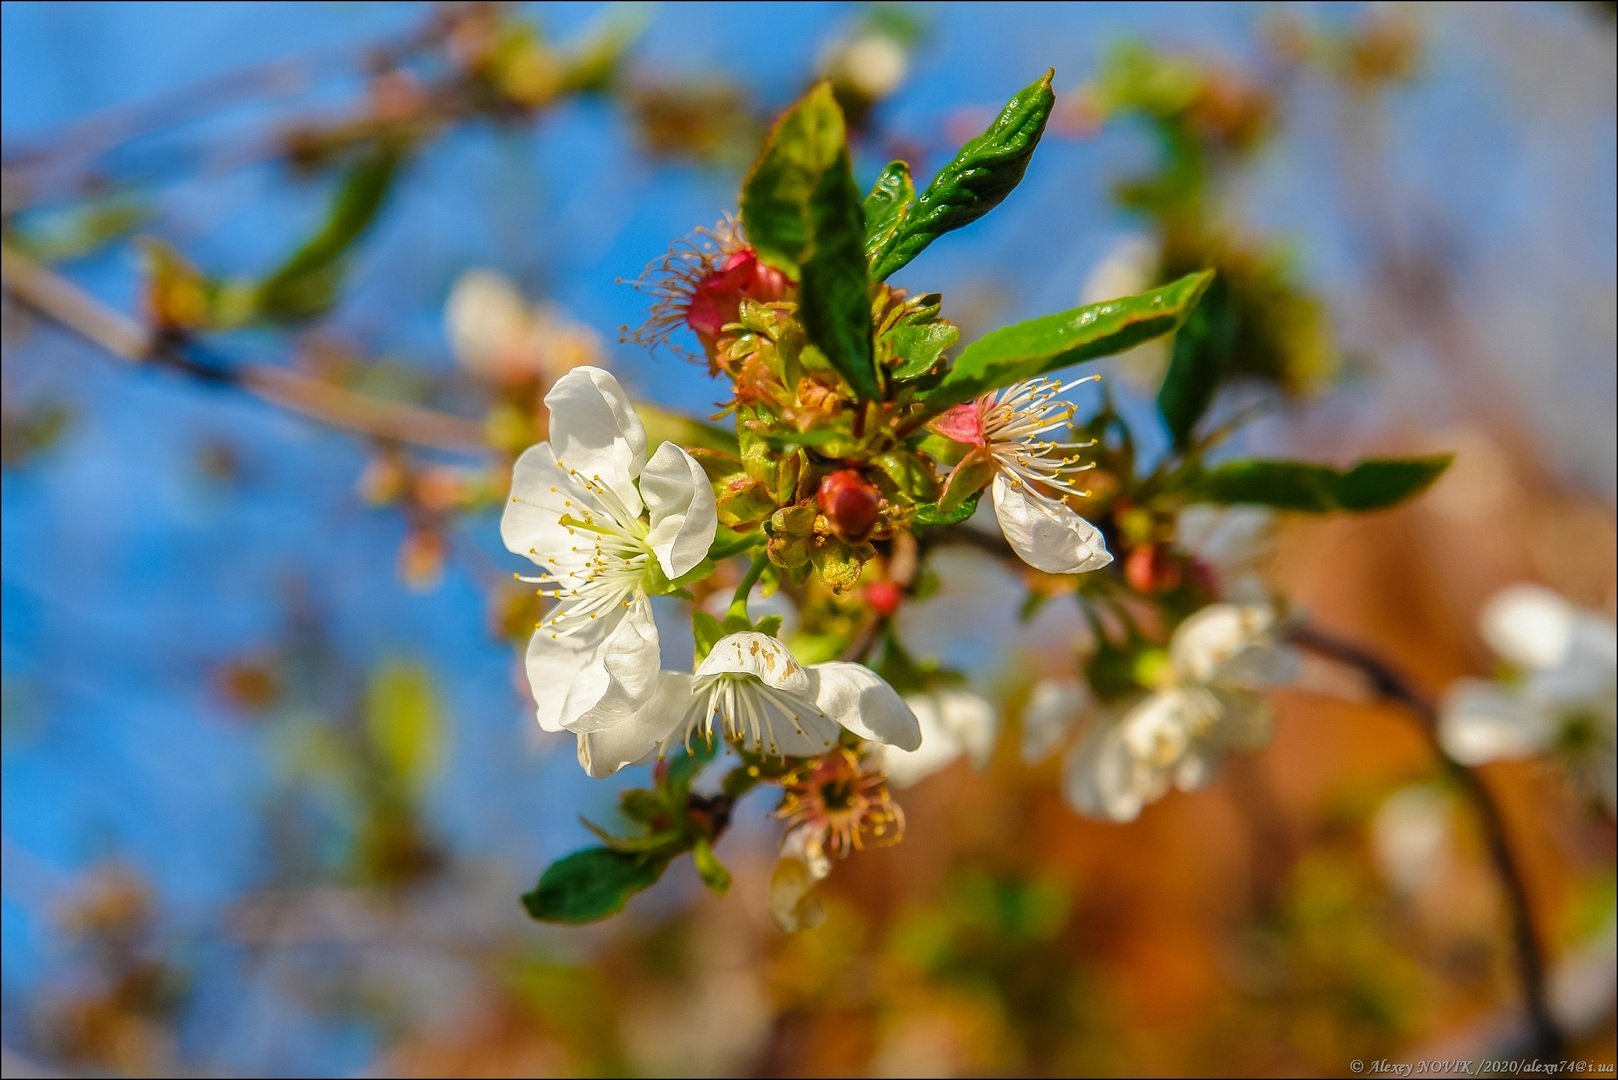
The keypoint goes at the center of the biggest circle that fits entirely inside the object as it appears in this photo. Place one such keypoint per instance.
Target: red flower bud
(851, 504)
(884, 597)
(1152, 568)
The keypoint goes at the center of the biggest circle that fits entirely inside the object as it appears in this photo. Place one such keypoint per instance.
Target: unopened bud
(884, 597)
(1152, 568)
(850, 503)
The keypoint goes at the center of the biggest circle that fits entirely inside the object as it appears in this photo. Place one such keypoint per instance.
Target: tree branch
(49, 294)
(1390, 684)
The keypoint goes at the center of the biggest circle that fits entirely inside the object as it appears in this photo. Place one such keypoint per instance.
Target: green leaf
(707, 632)
(590, 885)
(932, 514)
(918, 347)
(802, 214)
(306, 283)
(1026, 349)
(886, 205)
(981, 174)
(1199, 363)
(403, 722)
(713, 872)
(910, 474)
(1373, 484)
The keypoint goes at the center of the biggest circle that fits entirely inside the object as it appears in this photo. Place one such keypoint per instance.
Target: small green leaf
(931, 514)
(1026, 349)
(1198, 364)
(909, 474)
(403, 722)
(713, 872)
(886, 205)
(1374, 484)
(590, 885)
(707, 632)
(981, 174)
(306, 283)
(802, 213)
(918, 347)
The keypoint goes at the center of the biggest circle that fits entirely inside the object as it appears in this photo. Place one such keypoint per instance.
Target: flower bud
(850, 503)
(1152, 568)
(884, 597)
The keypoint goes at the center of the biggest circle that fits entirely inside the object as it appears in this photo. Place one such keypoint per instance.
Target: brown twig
(1389, 684)
(54, 297)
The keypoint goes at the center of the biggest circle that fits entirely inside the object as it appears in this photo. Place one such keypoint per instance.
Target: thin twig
(1389, 684)
(53, 296)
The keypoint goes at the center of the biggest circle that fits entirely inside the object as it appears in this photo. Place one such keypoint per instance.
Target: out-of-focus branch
(1390, 684)
(49, 294)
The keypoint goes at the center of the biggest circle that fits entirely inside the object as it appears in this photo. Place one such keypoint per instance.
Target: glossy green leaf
(931, 514)
(886, 205)
(592, 884)
(981, 174)
(802, 213)
(306, 283)
(918, 347)
(1026, 349)
(912, 476)
(1198, 365)
(1304, 487)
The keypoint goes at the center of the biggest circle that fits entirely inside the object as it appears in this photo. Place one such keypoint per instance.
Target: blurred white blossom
(496, 334)
(1220, 659)
(1559, 695)
(954, 722)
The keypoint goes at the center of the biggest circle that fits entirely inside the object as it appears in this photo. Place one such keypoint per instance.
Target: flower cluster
(858, 438)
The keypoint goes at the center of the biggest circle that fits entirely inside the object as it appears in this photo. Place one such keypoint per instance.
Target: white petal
(1047, 537)
(1529, 625)
(684, 518)
(857, 698)
(622, 674)
(554, 664)
(1232, 644)
(802, 864)
(1481, 722)
(484, 317)
(752, 653)
(939, 746)
(972, 720)
(1053, 708)
(540, 489)
(596, 433)
(635, 738)
(1158, 729)
(1102, 779)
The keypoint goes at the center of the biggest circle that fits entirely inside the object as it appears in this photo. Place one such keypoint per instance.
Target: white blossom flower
(1176, 737)
(954, 722)
(1130, 266)
(496, 334)
(590, 508)
(1411, 837)
(765, 701)
(801, 865)
(1054, 707)
(1231, 544)
(1006, 429)
(1563, 700)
